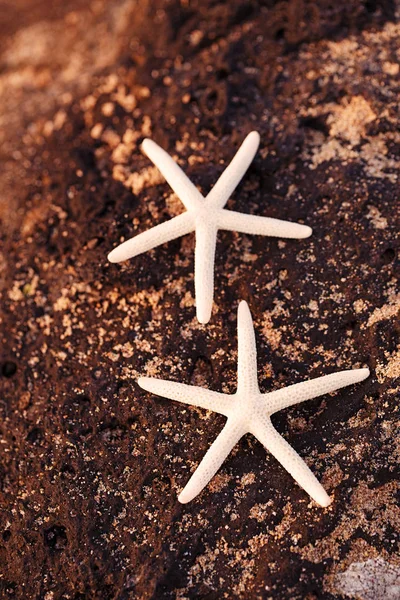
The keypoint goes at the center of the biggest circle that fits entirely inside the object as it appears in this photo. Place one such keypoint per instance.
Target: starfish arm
(290, 460)
(299, 392)
(253, 224)
(230, 178)
(179, 182)
(213, 459)
(188, 394)
(160, 234)
(206, 239)
(247, 351)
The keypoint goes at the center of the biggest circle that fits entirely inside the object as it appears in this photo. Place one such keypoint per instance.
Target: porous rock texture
(90, 465)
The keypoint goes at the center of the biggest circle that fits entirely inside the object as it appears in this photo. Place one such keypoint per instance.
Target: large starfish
(205, 216)
(249, 411)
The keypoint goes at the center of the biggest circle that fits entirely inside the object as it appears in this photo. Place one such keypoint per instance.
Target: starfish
(249, 411)
(205, 216)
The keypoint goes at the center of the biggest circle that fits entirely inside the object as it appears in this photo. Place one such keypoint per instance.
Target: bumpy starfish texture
(249, 411)
(205, 216)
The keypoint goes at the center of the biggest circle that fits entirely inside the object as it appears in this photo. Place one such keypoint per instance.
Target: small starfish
(249, 411)
(205, 216)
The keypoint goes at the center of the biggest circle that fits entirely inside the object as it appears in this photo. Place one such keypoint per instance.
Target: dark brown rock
(90, 465)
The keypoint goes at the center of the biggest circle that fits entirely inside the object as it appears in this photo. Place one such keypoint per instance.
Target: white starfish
(249, 411)
(205, 216)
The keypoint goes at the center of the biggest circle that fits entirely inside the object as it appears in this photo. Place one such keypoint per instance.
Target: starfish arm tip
(146, 143)
(243, 309)
(203, 313)
(142, 382)
(323, 499)
(203, 319)
(362, 374)
(255, 135)
(307, 231)
(184, 497)
(114, 256)
(355, 375)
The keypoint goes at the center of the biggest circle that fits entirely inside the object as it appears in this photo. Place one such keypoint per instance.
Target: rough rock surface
(90, 465)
